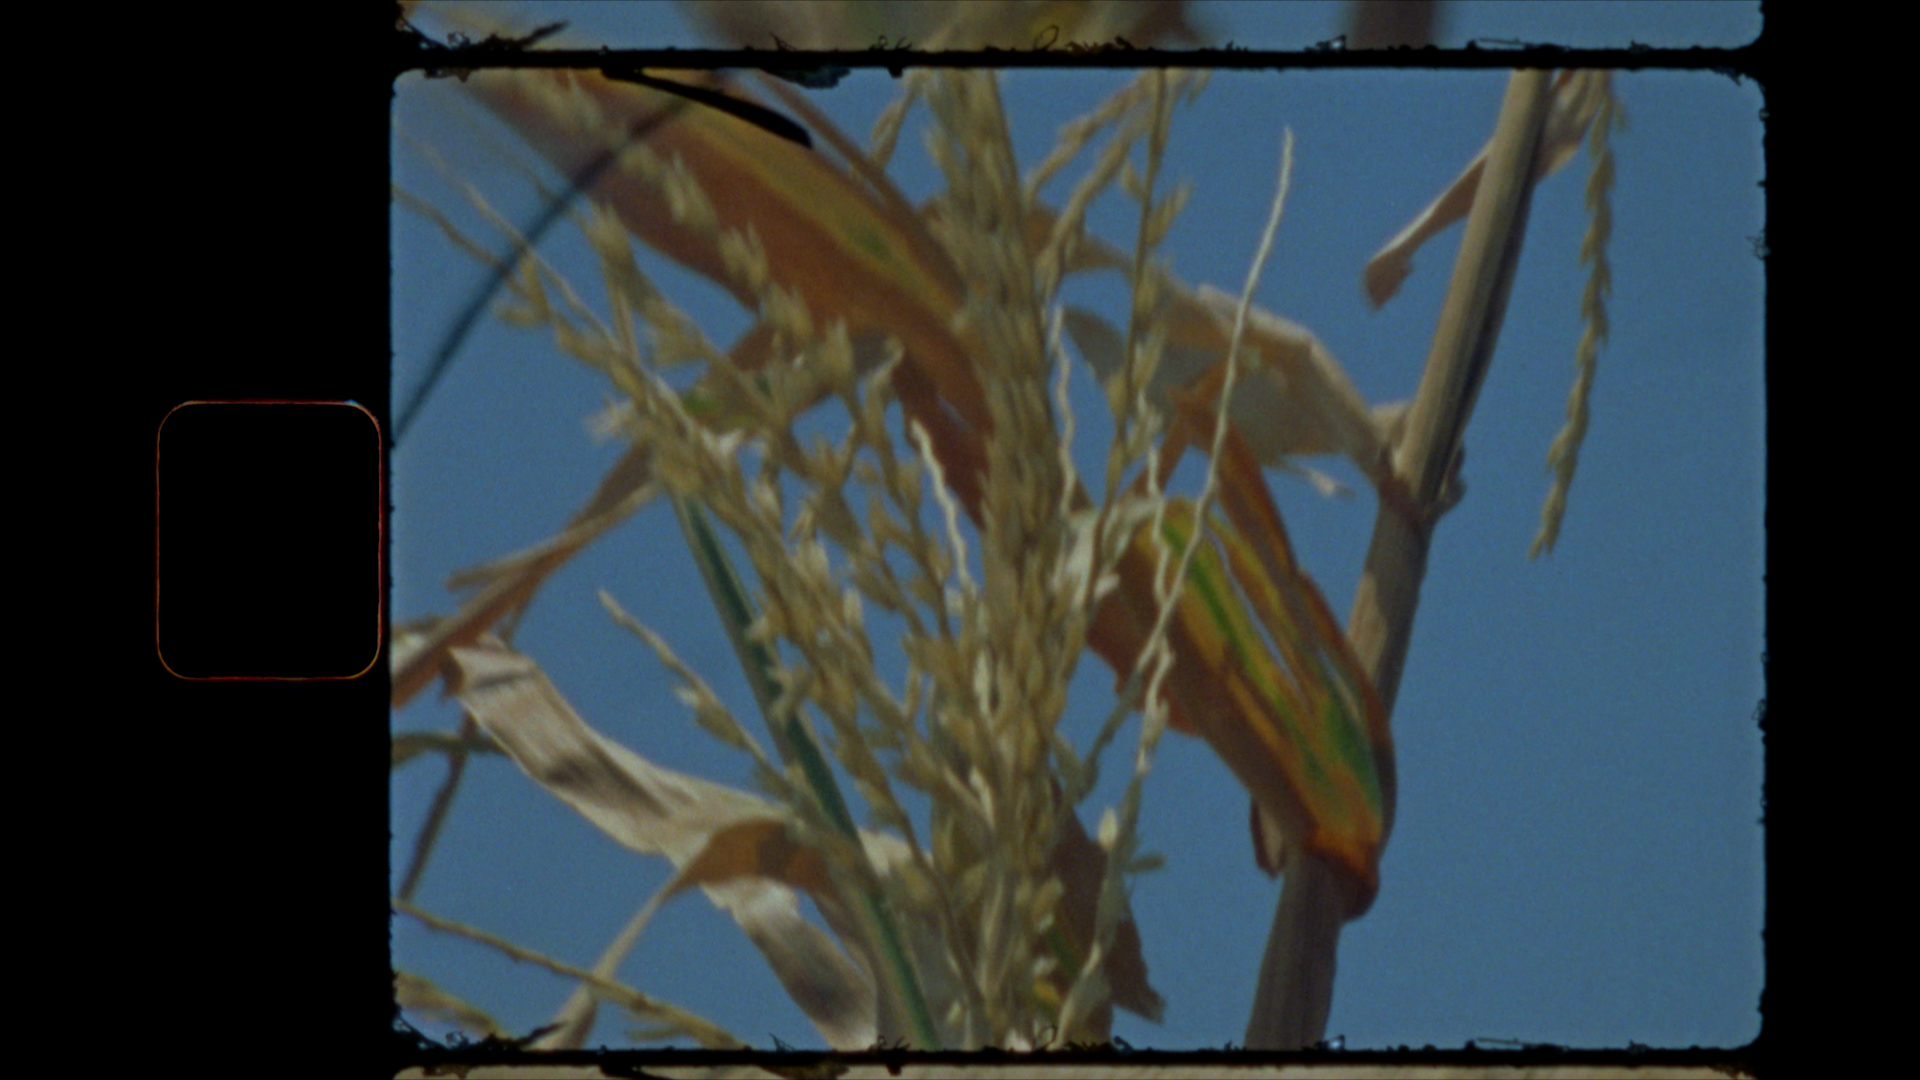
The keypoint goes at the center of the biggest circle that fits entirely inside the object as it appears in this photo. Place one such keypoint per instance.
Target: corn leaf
(737, 847)
(1293, 399)
(1339, 752)
(1577, 96)
(659, 812)
(847, 253)
(1283, 723)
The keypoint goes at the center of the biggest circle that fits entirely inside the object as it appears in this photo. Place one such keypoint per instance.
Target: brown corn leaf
(848, 253)
(1576, 99)
(1297, 721)
(755, 847)
(1338, 749)
(1081, 864)
(1255, 710)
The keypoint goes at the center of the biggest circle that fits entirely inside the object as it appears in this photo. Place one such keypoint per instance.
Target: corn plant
(932, 816)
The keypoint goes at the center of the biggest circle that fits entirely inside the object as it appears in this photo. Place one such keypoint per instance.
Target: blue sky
(1577, 856)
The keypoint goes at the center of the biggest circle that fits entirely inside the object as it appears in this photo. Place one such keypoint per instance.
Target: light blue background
(1577, 857)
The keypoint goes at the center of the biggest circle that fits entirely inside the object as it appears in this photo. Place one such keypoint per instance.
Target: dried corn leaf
(1080, 864)
(848, 253)
(1306, 739)
(1292, 399)
(1341, 747)
(1338, 750)
(765, 848)
(750, 848)
(1576, 100)
(738, 847)
(657, 811)
(1287, 721)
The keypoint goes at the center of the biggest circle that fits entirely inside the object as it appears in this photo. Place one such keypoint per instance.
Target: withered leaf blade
(657, 811)
(1293, 398)
(848, 253)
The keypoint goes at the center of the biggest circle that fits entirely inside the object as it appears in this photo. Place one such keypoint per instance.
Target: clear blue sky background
(1578, 855)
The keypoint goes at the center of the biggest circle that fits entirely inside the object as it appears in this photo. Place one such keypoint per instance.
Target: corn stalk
(956, 288)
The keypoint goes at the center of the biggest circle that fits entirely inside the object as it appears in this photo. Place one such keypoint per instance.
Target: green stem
(796, 746)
